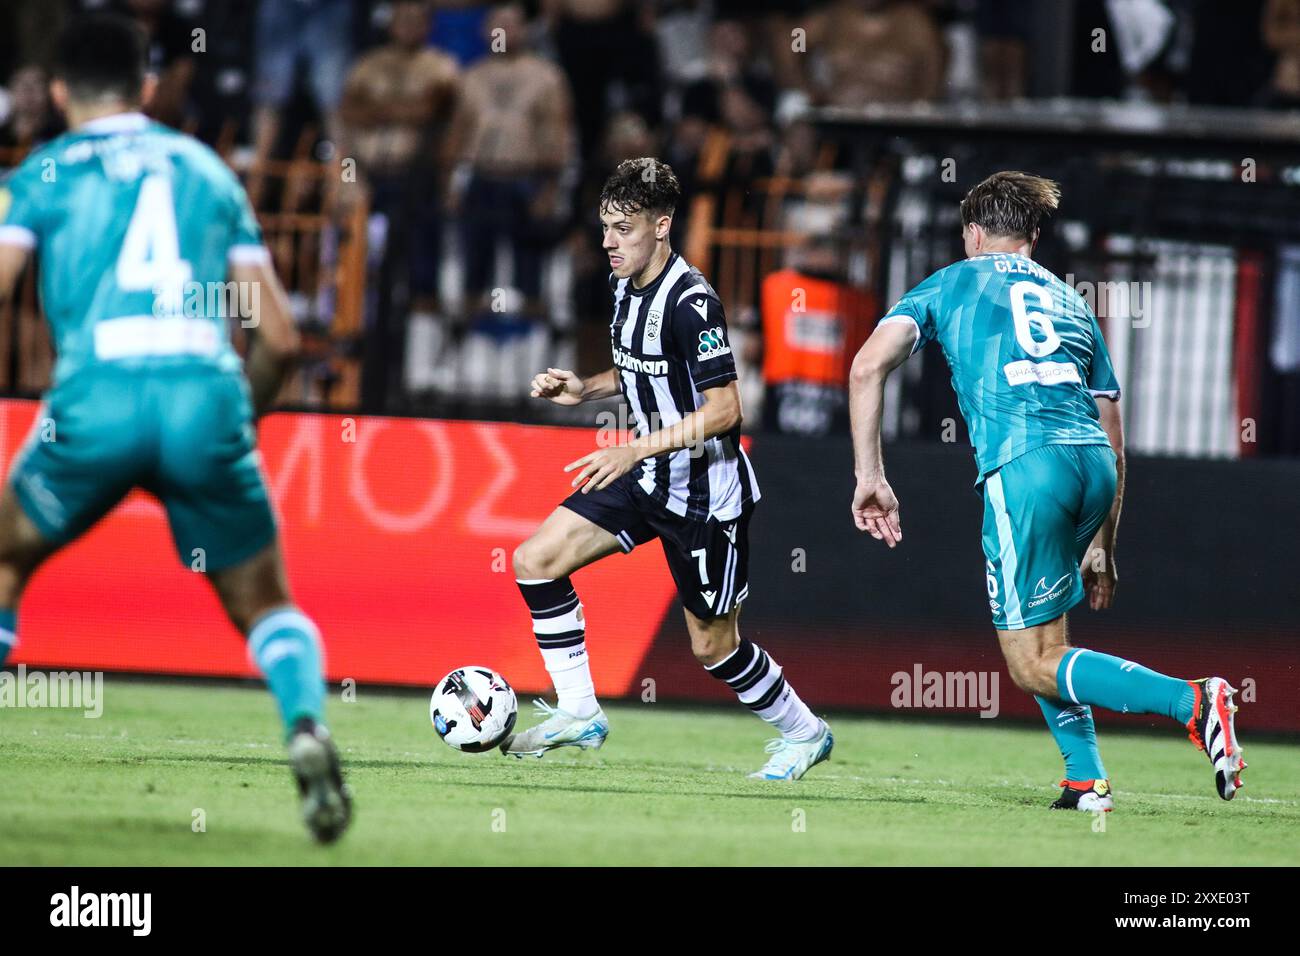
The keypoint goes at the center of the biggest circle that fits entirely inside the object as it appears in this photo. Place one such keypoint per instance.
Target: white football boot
(559, 729)
(792, 759)
(1212, 729)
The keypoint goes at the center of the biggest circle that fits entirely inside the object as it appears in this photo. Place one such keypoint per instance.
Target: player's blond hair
(1010, 204)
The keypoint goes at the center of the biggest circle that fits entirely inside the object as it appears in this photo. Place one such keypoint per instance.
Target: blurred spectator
(628, 137)
(1141, 53)
(802, 151)
(171, 56)
(609, 50)
(732, 76)
(1096, 71)
(220, 96)
(875, 51)
(395, 99)
(28, 31)
(770, 26)
(725, 131)
(682, 33)
(32, 119)
(515, 127)
(314, 34)
(1003, 27)
(1281, 33)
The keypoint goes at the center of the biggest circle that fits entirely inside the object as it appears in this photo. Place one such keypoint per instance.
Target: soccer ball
(473, 709)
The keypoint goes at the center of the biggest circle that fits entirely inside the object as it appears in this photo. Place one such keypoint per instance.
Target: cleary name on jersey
(670, 344)
(1026, 354)
(120, 266)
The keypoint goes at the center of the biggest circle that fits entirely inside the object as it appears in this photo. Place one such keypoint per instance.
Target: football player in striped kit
(683, 478)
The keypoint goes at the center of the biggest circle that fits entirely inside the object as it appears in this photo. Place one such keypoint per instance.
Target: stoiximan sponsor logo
(713, 343)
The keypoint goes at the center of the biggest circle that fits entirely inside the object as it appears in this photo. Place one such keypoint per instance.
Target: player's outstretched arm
(875, 508)
(719, 414)
(274, 339)
(1099, 573)
(562, 387)
(13, 258)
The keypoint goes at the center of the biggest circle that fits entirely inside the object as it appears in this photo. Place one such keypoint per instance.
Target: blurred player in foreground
(1029, 365)
(683, 479)
(134, 225)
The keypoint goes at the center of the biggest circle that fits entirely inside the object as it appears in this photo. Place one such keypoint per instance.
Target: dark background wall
(1207, 584)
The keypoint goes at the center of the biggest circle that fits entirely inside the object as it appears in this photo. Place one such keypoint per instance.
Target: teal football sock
(8, 632)
(285, 646)
(1076, 735)
(1086, 677)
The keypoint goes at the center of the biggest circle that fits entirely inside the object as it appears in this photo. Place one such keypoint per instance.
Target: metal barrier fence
(1179, 227)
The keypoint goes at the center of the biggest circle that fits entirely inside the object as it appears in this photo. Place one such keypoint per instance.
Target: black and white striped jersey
(670, 344)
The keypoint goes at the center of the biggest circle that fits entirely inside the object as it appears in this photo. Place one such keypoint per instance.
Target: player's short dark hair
(641, 184)
(1010, 204)
(100, 55)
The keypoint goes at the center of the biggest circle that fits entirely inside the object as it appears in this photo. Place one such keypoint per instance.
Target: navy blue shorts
(709, 560)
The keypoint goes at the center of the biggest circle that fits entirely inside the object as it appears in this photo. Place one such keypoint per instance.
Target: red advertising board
(398, 535)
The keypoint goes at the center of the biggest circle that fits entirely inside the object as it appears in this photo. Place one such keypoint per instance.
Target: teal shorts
(1041, 511)
(183, 434)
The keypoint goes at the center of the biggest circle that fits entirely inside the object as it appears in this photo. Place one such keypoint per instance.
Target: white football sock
(761, 686)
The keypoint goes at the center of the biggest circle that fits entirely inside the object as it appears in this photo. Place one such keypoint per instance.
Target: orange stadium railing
(740, 229)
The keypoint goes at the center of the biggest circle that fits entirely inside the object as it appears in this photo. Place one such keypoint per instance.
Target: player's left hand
(875, 510)
(604, 466)
(1099, 584)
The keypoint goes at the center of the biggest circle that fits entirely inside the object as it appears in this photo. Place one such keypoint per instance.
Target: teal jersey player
(1027, 356)
(1035, 385)
(145, 375)
(147, 249)
(1028, 362)
(125, 278)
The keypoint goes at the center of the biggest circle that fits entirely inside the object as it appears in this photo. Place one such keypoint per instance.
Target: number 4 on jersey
(151, 255)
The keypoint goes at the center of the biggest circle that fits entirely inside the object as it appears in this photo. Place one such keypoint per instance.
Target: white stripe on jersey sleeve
(897, 317)
(21, 236)
(248, 255)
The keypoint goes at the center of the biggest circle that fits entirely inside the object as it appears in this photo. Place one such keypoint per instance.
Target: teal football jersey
(134, 226)
(1026, 354)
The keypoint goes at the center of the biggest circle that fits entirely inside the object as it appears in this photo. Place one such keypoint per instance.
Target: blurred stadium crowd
(427, 171)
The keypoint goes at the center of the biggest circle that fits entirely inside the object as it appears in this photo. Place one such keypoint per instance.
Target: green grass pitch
(668, 788)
